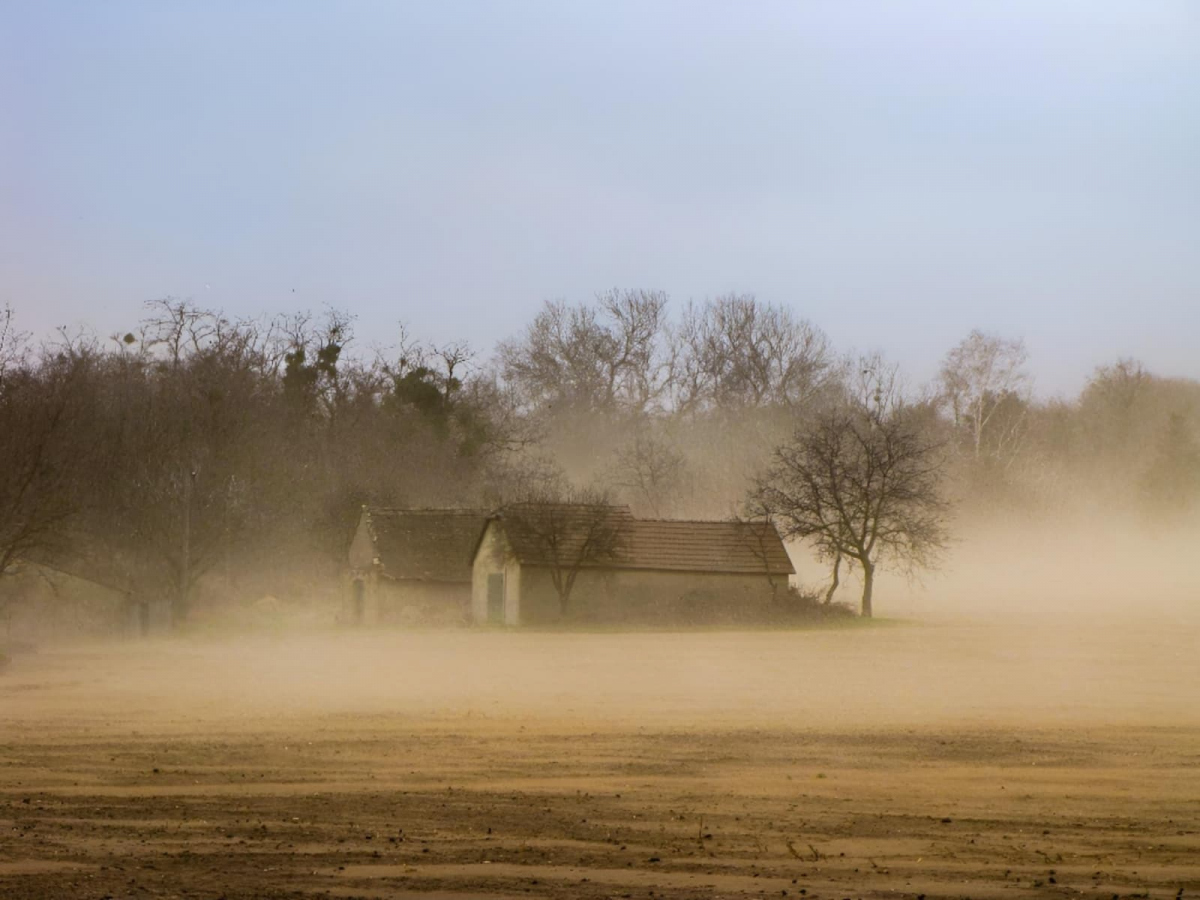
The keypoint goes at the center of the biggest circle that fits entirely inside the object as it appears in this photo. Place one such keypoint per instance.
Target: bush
(799, 604)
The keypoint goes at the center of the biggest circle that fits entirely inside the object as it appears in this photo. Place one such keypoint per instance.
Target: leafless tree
(871, 384)
(1171, 482)
(179, 328)
(182, 460)
(608, 356)
(455, 359)
(986, 387)
(651, 471)
(761, 537)
(527, 476)
(862, 484)
(14, 344)
(425, 374)
(314, 379)
(1120, 386)
(1116, 409)
(637, 367)
(39, 454)
(568, 531)
(736, 352)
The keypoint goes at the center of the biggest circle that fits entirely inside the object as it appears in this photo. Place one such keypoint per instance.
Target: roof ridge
(561, 503)
(443, 510)
(697, 545)
(708, 521)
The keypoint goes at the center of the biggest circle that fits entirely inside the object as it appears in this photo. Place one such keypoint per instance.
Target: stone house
(655, 571)
(412, 565)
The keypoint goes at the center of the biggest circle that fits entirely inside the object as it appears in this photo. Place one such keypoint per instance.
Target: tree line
(198, 454)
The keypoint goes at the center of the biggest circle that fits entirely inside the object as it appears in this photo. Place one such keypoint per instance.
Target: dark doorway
(495, 599)
(358, 602)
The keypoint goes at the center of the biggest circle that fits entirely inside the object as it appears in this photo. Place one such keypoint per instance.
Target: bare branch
(861, 484)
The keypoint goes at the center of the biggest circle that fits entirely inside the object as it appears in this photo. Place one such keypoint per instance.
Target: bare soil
(949, 760)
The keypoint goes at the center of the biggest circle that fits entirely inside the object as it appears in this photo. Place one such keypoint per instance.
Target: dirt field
(948, 760)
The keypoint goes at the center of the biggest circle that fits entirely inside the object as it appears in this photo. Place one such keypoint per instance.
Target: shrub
(799, 604)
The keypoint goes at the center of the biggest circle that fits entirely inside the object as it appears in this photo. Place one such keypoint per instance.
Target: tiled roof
(426, 544)
(662, 544)
(541, 532)
(734, 547)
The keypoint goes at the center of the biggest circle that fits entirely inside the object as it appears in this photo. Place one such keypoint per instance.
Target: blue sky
(899, 173)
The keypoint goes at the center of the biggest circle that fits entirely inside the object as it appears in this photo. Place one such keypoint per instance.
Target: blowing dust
(1035, 627)
(1027, 718)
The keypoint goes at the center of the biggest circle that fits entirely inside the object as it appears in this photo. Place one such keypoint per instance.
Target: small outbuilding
(621, 570)
(413, 565)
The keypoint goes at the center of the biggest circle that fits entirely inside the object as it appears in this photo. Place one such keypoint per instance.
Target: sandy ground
(949, 760)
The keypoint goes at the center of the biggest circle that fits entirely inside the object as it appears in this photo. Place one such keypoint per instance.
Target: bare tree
(182, 459)
(636, 366)
(735, 352)
(567, 531)
(424, 376)
(1117, 410)
(1171, 483)
(179, 328)
(587, 358)
(651, 471)
(862, 485)
(14, 344)
(986, 387)
(313, 380)
(760, 536)
(40, 455)
(455, 358)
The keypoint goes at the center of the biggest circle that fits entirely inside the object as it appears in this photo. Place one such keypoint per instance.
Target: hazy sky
(898, 172)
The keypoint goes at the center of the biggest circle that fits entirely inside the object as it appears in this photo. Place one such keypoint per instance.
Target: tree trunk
(833, 585)
(564, 594)
(868, 588)
(179, 603)
(179, 610)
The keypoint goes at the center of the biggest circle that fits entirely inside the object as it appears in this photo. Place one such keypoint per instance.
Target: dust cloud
(1038, 622)
(1026, 716)
(1088, 570)
(950, 674)
(951, 756)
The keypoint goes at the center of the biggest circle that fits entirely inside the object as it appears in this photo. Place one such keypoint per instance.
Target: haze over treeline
(200, 456)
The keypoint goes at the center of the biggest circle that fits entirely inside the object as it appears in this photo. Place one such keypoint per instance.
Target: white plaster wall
(493, 557)
(362, 549)
(512, 593)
